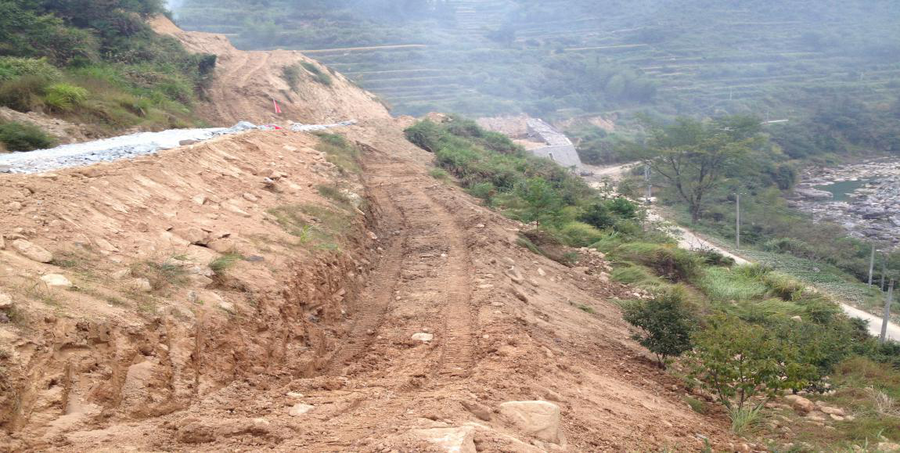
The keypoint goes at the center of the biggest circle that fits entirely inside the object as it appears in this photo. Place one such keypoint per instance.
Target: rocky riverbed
(864, 198)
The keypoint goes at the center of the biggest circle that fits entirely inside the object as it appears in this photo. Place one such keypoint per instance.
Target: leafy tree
(740, 362)
(693, 156)
(666, 324)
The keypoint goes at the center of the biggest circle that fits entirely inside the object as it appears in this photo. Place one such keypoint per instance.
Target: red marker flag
(277, 108)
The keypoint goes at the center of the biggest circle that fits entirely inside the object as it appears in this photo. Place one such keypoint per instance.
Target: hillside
(246, 84)
(189, 304)
(574, 57)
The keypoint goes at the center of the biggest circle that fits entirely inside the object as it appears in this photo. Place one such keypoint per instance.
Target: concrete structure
(559, 148)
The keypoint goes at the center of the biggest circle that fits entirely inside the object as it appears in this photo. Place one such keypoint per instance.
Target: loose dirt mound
(246, 83)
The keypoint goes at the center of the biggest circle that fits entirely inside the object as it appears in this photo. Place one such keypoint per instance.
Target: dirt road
(431, 320)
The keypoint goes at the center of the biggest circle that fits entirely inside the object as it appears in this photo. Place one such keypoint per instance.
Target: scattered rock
(188, 142)
(479, 410)
(541, 272)
(5, 302)
(236, 210)
(2, 243)
(32, 251)
(294, 395)
(120, 274)
(194, 432)
(300, 409)
(141, 284)
(832, 410)
(515, 275)
(250, 197)
(519, 293)
(800, 404)
(423, 337)
(796, 318)
(451, 440)
(539, 419)
(199, 200)
(227, 306)
(888, 446)
(56, 281)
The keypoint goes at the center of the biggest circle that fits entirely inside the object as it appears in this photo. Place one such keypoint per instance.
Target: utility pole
(737, 222)
(649, 185)
(883, 261)
(887, 312)
(871, 265)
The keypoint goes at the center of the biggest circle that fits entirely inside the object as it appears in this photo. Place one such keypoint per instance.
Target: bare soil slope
(246, 83)
(300, 345)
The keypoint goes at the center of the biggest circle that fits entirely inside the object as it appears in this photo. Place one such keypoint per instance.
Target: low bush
(23, 94)
(666, 260)
(317, 73)
(579, 234)
(24, 137)
(291, 75)
(791, 246)
(14, 68)
(63, 96)
(666, 324)
(723, 284)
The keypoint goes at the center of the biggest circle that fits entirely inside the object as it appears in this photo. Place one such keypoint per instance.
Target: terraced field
(493, 56)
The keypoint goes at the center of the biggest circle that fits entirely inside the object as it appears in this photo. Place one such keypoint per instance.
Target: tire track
(427, 269)
(376, 298)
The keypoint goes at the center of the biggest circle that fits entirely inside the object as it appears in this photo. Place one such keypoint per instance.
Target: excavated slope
(299, 345)
(246, 83)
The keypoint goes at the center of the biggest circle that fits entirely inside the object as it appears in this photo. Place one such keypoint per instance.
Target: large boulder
(32, 251)
(451, 440)
(539, 419)
(800, 404)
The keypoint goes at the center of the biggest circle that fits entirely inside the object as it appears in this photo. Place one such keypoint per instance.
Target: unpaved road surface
(687, 239)
(302, 351)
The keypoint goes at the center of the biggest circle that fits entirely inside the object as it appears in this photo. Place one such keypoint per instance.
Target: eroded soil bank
(247, 294)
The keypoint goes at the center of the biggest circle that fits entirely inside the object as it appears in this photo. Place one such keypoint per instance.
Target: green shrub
(63, 96)
(713, 257)
(23, 94)
(579, 234)
(439, 173)
(723, 284)
(483, 190)
(666, 260)
(744, 363)
(666, 324)
(784, 286)
(425, 134)
(317, 73)
(791, 246)
(13, 68)
(598, 215)
(291, 75)
(24, 137)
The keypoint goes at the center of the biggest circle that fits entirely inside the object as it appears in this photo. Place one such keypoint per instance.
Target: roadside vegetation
(738, 336)
(699, 167)
(560, 205)
(97, 63)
